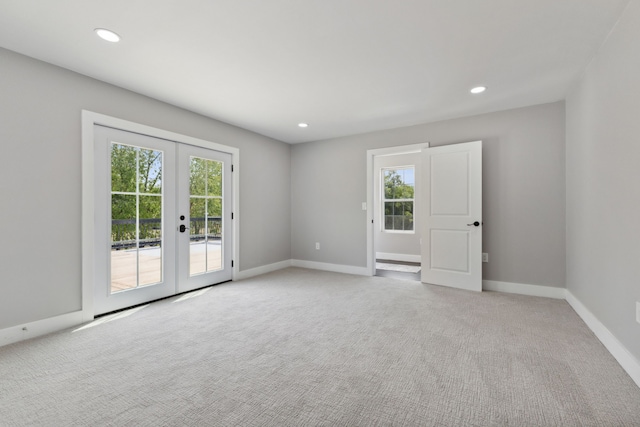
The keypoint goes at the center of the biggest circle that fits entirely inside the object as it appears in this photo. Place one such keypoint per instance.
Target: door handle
(182, 228)
(476, 223)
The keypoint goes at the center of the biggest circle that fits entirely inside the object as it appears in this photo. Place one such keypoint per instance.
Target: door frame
(372, 211)
(89, 120)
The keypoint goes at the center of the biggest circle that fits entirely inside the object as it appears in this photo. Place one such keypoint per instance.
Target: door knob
(476, 223)
(182, 228)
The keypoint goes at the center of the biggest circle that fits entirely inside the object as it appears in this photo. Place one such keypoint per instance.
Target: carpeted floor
(308, 348)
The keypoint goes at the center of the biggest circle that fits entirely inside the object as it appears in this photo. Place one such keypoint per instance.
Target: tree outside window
(398, 198)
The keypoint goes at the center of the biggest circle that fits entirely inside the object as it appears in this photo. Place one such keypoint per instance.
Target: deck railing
(123, 231)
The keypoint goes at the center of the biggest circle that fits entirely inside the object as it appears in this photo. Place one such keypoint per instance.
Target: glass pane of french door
(205, 213)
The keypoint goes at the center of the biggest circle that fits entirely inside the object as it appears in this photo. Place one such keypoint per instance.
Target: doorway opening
(398, 269)
(393, 198)
(448, 215)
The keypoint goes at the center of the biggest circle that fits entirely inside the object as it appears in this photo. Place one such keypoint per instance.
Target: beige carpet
(308, 348)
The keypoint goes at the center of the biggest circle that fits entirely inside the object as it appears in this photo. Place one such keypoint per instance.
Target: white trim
(89, 120)
(25, 331)
(370, 269)
(336, 268)
(264, 269)
(398, 257)
(628, 362)
(524, 289)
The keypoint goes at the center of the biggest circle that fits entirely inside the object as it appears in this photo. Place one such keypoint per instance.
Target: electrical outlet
(637, 311)
(485, 257)
(318, 246)
(364, 206)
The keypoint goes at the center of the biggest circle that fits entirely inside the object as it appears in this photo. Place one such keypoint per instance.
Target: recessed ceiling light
(107, 35)
(302, 125)
(478, 89)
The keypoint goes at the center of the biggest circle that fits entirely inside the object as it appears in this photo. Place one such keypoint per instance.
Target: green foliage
(395, 187)
(205, 177)
(123, 168)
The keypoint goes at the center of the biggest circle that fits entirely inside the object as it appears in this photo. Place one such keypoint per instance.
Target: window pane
(408, 216)
(124, 250)
(123, 168)
(398, 222)
(214, 237)
(214, 178)
(214, 255)
(197, 180)
(197, 244)
(214, 217)
(388, 222)
(123, 219)
(150, 171)
(150, 240)
(399, 183)
(215, 207)
(398, 216)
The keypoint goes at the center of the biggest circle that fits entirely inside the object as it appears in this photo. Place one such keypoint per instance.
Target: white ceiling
(343, 66)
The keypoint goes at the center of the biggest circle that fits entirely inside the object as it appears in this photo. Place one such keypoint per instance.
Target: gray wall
(390, 242)
(40, 182)
(523, 191)
(603, 183)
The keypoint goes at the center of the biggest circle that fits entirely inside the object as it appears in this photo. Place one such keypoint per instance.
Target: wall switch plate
(364, 206)
(317, 245)
(485, 257)
(637, 311)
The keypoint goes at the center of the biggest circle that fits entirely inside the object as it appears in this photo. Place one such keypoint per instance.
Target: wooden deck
(124, 270)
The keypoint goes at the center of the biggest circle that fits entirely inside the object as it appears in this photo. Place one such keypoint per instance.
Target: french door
(163, 218)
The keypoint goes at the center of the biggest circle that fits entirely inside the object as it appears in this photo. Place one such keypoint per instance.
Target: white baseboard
(263, 269)
(398, 257)
(29, 330)
(628, 362)
(336, 268)
(523, 289)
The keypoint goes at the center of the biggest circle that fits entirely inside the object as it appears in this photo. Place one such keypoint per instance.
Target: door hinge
(231, 215)
(231, 168)
(231, 263)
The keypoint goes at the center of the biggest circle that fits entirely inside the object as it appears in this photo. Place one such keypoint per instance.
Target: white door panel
(451, 242)
(453, 198)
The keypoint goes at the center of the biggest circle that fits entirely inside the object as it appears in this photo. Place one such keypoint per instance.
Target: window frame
(384, 200)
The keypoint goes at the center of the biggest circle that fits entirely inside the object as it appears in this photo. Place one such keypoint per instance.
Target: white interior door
(146, 188)
(204, 211)
(452, 216)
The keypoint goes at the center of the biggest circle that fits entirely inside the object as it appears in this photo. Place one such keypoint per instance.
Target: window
(398, 198)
